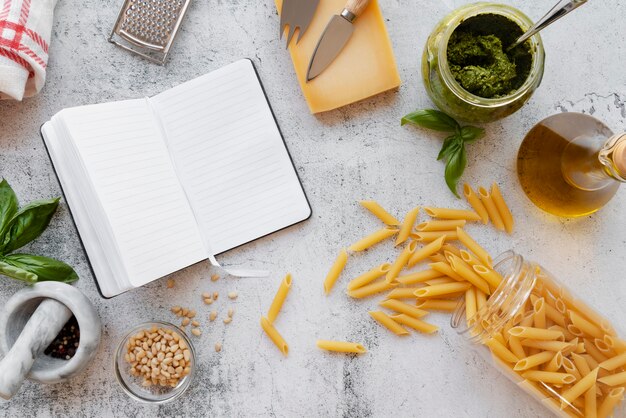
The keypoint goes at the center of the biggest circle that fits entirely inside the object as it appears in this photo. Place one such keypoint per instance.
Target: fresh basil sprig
(453, 149)
(18, 227)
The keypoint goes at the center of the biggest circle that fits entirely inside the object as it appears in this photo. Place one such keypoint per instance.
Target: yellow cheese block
(365, 67)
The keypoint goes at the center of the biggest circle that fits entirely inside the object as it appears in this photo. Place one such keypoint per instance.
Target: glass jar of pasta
(548, 341)
(468, 70)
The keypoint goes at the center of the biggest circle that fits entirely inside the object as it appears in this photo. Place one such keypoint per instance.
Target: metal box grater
(148, 27)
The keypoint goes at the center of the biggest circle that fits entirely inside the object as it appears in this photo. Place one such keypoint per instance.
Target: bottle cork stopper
(619, 157)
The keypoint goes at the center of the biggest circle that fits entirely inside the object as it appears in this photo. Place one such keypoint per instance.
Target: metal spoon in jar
(562, 8)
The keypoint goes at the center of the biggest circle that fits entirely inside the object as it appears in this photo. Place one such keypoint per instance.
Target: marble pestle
(40, 330)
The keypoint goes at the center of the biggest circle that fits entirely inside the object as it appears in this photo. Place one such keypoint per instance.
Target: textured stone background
(353, 153)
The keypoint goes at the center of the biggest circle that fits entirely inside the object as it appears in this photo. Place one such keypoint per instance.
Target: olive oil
(567, 164)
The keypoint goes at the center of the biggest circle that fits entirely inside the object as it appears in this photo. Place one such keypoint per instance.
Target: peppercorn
(65, 344)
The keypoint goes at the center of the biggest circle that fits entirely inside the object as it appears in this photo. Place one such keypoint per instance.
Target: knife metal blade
(334, 38)
(332, 41)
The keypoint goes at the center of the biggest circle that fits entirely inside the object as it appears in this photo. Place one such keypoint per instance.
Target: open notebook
(156, 185)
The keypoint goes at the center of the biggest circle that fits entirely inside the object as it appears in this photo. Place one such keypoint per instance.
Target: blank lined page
(230, 156)
(129, 167)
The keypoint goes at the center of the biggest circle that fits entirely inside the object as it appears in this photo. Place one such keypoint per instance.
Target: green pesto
(478, 59)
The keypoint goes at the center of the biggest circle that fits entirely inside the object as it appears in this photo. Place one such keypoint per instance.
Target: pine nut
(196, 331)
(195, 323)
(170, 283)
(208, 301)
(185, 322)
(212, 316)
(218, 347)
(233, 295)
(215, 277)
(206, 295)
(191, 314)
(231, 312)
(228, 320)
(215, 295)
(175, 309)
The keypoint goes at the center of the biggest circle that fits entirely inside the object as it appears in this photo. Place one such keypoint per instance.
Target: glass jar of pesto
(468, 71)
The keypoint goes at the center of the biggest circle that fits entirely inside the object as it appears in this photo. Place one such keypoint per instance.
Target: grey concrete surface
(358, 152)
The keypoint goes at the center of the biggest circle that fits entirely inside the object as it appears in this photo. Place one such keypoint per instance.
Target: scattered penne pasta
(418, 277)
(279, 299)
(405, 308)
(492, 210)
(341, 346)
(473, 199)
(276, 338)
(370, 276)
(434, 235)
(503, 209)
(371, 289)
(373, 239)
(443, 225)
(445, 305)
(407, 226)
(335, 271)
(379, 212)
(455, 214)
(416, 324)
(400, 262)
(402, 293)
(426, 251)
(474, 247)
(389, 323)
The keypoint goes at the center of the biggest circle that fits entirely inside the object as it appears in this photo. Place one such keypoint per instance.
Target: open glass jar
(549, 342)
(449, 95)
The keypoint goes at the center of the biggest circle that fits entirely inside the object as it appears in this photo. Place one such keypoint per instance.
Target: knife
(335, 37)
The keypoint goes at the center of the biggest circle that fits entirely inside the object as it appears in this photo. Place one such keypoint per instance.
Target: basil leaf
(471, 133)
(27, 224)
(8, 204)
(13, 272)
(431, 119)
(450, 144)
(455, 166)
(46, 269)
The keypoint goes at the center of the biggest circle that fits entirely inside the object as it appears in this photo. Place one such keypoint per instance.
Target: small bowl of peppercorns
(155, 362)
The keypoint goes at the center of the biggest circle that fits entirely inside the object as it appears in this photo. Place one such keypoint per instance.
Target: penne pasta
(549, 377)
(614, 362)
(439, 280)
(279, 299)
(591, 348)
(444, 305)
(470, 303)
(501, 351)
(402, 293)
(535, 333)
(434, 235)
(445, 225)
(469, 258)
(371, 289)
(407, 226)
(276, 338)
(553, 315)
(400, 262)
(449, 248)
(418, 277)
(438, 258)
(481, 299)
(533, 360)
(373, 239)
(446, 270)
(568, 396)
(490, 276)
(584, 325)
(341, 346)
(516, 347)
(492, 210)
(442, 289)
(473, 199)
(591, 405)
(426, 251)
(617, 379)
(454, 214)
(614, 397)
(368, 277)
(474, 247)
(464, 270)
(503, 209)
(416, 324)
(405, 308)
(379, 212)
(555, 364)
(539, 317)
(544, 345)
(335, 271)
(570, 367)
(581, 364)
(389, 323)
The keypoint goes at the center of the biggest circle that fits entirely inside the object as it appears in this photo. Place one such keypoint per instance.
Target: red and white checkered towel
(25, 27)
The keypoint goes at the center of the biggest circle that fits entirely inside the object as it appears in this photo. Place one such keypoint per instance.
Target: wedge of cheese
(365, 67)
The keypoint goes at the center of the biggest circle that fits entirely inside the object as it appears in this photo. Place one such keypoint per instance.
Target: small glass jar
(549, 342)
(448, 94)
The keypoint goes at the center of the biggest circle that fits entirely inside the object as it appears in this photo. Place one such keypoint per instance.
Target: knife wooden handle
(356, 7)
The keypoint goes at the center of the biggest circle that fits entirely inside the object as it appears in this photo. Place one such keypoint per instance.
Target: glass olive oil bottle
(571, 164)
